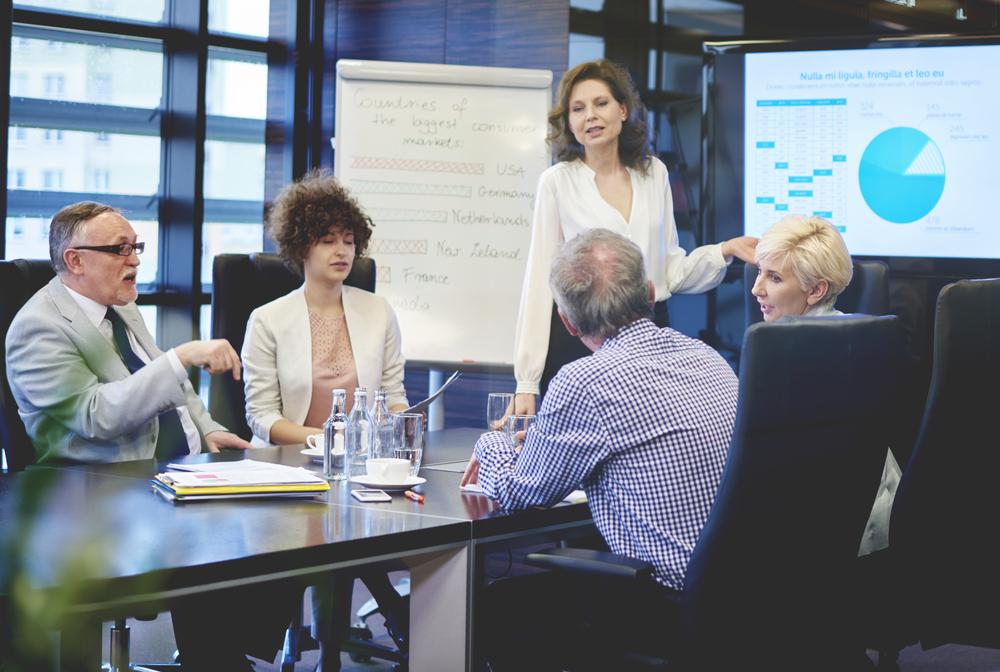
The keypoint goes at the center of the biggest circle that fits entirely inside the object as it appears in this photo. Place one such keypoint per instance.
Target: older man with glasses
(91, 386)
(90, 383)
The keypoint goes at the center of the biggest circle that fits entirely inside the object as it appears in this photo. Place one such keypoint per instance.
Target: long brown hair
(633, 143)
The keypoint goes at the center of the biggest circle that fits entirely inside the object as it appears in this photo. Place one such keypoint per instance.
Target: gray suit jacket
(75, 395)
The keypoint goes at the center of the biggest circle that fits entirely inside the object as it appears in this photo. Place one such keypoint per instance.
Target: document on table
(234, 479)
(229, 465)
(236, 473)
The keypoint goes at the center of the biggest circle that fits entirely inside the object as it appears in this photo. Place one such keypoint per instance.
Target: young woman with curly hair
(607, 178)
(323, 335)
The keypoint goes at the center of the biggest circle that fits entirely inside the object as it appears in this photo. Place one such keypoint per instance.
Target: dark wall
(502, 33)
(814, 18)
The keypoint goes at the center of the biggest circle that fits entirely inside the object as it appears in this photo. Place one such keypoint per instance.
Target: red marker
(409, 494)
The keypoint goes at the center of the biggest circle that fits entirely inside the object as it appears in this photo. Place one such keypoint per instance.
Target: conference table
(97, 538)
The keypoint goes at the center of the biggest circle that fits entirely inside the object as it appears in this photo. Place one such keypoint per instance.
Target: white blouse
(567, 202)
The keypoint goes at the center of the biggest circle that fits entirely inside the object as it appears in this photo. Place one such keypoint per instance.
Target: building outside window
(101, 180)
(52, 179)
(54, 86)
(16, 178)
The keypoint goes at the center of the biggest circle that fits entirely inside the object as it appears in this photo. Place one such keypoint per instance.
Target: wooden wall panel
(391, 30)
(502, 33)
(509, 33)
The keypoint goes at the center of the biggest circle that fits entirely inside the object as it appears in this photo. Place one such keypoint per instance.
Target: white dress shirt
(567, 202)
(96, 313)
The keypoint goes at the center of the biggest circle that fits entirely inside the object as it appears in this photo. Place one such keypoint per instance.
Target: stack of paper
(240, 478)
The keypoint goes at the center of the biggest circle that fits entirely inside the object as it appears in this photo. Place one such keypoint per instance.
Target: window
(584, 48)
(52, 179)
(239, 17)
(136, 10)
(18, 83)
(101, 180)
(236, 102)
(89, 95)
(16, 178)
(130, 116)
(55, 86)
(102, 85)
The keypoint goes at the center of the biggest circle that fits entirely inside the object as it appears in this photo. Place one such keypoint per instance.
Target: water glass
(517, 424)
(498, 406)
(408, 439)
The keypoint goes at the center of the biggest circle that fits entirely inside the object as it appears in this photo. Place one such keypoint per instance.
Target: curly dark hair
(308, 209)
(633, 143)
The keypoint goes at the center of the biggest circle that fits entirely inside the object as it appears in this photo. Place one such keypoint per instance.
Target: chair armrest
(586, 561)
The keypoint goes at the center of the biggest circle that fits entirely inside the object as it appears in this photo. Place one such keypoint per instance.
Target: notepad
(242, 478)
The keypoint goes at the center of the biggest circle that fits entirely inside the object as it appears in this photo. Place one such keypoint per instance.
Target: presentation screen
(895, 145)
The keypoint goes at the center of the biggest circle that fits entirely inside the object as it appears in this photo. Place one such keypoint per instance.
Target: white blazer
(277, 357)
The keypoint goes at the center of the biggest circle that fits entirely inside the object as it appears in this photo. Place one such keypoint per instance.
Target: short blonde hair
(814, 250)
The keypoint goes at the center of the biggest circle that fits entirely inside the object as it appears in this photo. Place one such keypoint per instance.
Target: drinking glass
(408, 439)
(517, 424)
(498, 406)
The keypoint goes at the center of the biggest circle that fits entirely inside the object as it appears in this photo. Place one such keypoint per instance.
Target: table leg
(439, 608)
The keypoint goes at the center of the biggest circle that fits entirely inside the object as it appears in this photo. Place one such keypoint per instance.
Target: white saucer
(370, 482)
(315, 453)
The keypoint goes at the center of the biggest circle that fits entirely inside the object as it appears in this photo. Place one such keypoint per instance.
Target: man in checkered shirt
(642, 425)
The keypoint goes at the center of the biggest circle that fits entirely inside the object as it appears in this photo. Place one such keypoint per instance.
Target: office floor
(153, 641)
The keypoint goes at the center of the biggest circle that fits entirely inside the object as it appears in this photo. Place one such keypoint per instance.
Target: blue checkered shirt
(643, 426)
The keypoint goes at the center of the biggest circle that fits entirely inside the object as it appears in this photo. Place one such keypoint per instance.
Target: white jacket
(277, 357)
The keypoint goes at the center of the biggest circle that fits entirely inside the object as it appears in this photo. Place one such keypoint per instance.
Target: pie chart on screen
(901, 175)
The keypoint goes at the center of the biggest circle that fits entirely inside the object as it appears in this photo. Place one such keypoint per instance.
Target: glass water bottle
(334, 439)
(382, 422)
(360, 438)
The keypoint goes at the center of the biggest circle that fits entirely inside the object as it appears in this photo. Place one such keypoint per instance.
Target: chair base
(120, 642)
(361, 649)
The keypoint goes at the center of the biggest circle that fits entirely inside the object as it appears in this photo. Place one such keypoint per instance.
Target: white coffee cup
(388, 469)
(315, 441)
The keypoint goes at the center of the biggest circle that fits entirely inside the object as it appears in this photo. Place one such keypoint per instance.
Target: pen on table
(409, 494)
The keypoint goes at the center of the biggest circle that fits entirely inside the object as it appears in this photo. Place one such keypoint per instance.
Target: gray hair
(65, 225)
(598, 280)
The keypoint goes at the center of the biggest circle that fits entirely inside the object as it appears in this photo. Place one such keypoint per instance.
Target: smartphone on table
(368, 495)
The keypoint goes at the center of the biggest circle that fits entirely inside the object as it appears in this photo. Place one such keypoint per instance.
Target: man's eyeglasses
(122, 250)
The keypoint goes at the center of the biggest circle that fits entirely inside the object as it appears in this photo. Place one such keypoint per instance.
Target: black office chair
(941, 540)
(868, 292)
(770, 582)
(19, 280)
(241, 283)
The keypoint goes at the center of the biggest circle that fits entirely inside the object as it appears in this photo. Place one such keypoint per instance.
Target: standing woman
(606, 177)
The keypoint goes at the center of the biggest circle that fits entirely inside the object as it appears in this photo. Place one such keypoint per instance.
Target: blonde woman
(803, 266)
